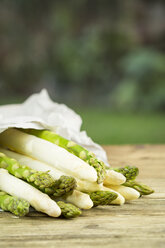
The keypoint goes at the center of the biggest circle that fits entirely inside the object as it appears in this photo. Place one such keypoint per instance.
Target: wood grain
(140, 223)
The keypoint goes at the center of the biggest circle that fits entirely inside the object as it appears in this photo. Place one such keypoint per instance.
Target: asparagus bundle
(73, 148)
(64, 170)
(13, 204)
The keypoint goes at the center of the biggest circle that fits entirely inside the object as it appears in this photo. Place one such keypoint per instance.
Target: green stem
(102, 197)
(142, 188)
(40, 179)
(130, 172)
(13, 204)
(63, 186)
(68, 210)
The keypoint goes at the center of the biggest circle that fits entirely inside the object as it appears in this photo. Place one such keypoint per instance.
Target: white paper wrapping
(40, 112)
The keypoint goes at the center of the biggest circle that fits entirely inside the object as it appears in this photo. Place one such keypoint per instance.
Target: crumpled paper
(40, 112)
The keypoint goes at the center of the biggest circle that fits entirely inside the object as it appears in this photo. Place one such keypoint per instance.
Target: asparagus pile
(59, 177)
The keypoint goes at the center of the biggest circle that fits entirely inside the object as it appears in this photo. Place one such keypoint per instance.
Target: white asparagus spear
(47, 152)
(16, 187)
(113, 178)
(127, 192)
(77, 198)
(80, 199)
(119, 200)
(88, 186)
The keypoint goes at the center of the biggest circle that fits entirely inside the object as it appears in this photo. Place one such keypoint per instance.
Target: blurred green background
(105, 59)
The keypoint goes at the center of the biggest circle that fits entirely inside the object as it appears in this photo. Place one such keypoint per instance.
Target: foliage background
(105, 59)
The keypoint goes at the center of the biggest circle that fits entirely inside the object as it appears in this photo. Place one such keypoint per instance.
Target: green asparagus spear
(142, 188)
(73, 148)
(64, 186)
(68, 210)
(39, 179)
(102, 197)
(130, 172)
(13, 204)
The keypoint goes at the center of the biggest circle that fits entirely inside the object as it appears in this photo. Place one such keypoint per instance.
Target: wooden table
(140, 223)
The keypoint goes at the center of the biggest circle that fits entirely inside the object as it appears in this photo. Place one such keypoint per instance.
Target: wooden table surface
(140, 223)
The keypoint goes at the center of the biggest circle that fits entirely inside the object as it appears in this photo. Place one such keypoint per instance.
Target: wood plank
(135, 224)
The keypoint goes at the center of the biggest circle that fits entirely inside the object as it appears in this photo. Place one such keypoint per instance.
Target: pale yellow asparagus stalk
(80, 200)
(113, 178)
(128, 193)
(88, 186)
